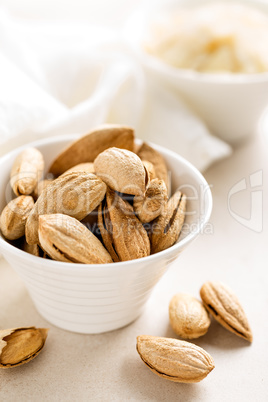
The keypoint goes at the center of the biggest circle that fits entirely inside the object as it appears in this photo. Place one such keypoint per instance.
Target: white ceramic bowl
(99, 298)
(230, 104)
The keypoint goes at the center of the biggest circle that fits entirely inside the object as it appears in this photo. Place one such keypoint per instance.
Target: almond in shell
(225, 307)
(33, 249)
(42, 185)
(76, 195)
(123, 234)
(65, 239)
(167, 227)
(14, 215)
(187, 316)
(149, 167)
(146, 152)
(122, 171)
(81, 167)
(88, 147)
(26, 171)
(174, 360)
(150, 206)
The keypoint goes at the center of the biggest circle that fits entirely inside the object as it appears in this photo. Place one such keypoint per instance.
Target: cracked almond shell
(105, 228)
(149, 167)
(225, 307)
(167, 227)
(150, 206)
(20, 345)
(88, 147)
(123, 234)
(66, 239)
(147, 153)
(174, 360)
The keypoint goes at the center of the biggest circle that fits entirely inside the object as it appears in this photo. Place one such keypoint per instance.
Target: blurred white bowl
(230, 104)
(100, 298)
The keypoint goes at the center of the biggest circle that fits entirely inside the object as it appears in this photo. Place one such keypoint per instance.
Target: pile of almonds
(104, 200)
(182, 361)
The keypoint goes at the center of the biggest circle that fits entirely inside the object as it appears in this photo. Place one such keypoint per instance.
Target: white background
(108, 12)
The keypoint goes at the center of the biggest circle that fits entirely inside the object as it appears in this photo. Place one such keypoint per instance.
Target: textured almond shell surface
(26, 171)
(33, 249)
(146, 152)
(14, 215)
(121, 170)
(150, 206)
(88, 147)
(42, 185)
(66, 239)
(225, 307)
(107, 238)
(174, 360)
(76, 194)
(81, 167)
(167, 227)
(125, 232)
(149, 167)
(20, 345)
(188, 316)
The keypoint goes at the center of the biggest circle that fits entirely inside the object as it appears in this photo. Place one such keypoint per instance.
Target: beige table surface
(106, 367)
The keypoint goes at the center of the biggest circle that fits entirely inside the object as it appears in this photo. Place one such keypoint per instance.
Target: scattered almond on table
(225, 307)
(20, 345)
(182, 361)
(175, 360)
(188, 317)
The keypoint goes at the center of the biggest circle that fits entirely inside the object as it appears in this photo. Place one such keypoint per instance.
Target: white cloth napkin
(61, 79)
